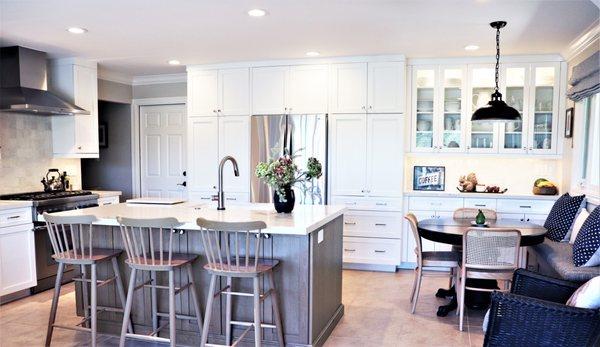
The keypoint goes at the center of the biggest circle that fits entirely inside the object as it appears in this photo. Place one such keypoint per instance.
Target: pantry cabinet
(224, 92)
(270, 89)
(75, 81)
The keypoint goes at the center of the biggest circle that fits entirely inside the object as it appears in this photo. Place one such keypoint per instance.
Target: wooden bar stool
(71, 239)
(225, 259)
(149, 247)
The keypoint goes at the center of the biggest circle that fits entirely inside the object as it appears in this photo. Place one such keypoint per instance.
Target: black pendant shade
(496, 110)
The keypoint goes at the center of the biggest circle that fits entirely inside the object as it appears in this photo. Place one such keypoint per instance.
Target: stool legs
(228, 314)
(275, 298)
(120, 289)
(172, 307)
(195, 300)
(127, 310)
(207, 314)
(59, 275)
(94, 297)
(86, 305)
(257, 327)
(153, 302)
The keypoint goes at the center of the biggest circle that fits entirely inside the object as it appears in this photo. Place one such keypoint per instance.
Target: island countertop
(302, 221)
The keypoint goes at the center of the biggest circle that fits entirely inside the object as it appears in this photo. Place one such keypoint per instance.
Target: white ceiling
(137, 37)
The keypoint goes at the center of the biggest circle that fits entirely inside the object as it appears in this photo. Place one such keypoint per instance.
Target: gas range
(55, 201)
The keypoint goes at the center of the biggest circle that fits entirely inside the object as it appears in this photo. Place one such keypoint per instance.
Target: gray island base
(308, 278)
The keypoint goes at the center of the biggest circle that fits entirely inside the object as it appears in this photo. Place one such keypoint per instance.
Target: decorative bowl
(545, 190)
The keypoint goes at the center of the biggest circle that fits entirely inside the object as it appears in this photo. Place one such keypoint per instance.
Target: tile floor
(377, 314)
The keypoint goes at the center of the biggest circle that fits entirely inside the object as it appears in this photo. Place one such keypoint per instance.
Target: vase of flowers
(282, 174)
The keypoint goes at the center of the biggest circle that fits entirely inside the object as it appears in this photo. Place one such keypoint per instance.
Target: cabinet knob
(530, 148)
(218, 110)
(78, 147)
(370, 107)
(214, 111)
(364, 107)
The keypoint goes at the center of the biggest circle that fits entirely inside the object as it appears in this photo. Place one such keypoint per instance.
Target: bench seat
(556, 259)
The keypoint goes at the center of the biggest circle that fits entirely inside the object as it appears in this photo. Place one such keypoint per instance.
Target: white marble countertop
(457, 194)
(11, 204)
(302, 221)
(107, 193)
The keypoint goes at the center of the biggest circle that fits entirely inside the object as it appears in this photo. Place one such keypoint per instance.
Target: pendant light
(496, 110)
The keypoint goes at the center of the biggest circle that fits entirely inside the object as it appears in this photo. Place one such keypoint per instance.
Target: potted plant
(281, 174)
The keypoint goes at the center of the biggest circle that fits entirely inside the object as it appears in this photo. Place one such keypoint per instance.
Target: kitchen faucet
(220, 195)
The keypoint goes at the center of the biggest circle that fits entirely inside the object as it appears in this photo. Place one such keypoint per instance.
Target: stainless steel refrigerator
(305, 135)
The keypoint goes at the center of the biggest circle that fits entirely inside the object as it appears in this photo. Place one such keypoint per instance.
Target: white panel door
(386, 87)
(348, 88)
(308, 89)
(348, 154)
(203, 153)
(203, 93)
(384, 155)
(234, 92)
(163, 151)
(234, 140)
(86, 96)
(17, 259)
(269, 90)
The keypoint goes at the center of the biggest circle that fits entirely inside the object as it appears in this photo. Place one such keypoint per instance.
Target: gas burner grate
(37, 196)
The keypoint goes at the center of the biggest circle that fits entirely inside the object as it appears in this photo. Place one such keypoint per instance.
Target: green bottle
(480, 219)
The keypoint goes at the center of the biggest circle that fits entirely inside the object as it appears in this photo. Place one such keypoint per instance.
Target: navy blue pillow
(586, 249)
(562, 216)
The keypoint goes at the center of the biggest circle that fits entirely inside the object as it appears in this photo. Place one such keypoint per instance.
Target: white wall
(160, 90)
(114, 91)
(26, 153)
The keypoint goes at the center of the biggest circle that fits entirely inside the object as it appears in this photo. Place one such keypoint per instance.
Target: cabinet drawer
(364, 203)
(434, 203)
(524, 206)
(373, 224)
(371, 251)
(15, 217)
(480, 203)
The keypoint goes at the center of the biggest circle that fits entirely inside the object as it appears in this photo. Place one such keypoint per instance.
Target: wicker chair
(471, 213)
(549, 321)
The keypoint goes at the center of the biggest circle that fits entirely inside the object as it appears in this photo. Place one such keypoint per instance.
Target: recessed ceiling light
(312, 54)
(471, 48)
(174, 62)
(257, 12)
(77, 30)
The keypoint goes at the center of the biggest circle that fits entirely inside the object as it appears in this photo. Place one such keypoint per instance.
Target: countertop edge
(480, 195)
(107, 193)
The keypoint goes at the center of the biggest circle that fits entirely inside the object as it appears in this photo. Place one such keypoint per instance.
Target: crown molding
(590, 36)
(159, 79)
(113, 76)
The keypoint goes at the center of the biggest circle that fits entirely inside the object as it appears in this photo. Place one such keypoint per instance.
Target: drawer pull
(205, 198)
(350, 223)
(379, 251)
(14, 217)
(233, 199)
(380, 224)
(351, 203)
(381, 203)
(349, 250)
(480, 205)
(525, 206)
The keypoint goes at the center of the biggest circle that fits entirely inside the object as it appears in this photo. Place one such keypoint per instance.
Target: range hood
(23, 85)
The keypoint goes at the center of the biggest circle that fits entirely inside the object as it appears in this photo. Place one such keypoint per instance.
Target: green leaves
(283, 172)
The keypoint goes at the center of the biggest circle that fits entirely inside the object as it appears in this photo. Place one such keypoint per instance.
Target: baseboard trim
(326, 332)
(369, 267)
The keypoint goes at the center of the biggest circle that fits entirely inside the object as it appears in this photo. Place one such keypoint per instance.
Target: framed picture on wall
(569, 122)
(102, 135)
(429, 178)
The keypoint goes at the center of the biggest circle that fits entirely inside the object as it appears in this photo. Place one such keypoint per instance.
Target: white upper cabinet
(223, 92)
(386, 87)
(75, 136)
(234, 140)
(308, 89)
(543, 109)
(385, 155)
(483, 136)
(269, 90)
(348, 88)
(348, 153)
(515, 88)
(203, 153)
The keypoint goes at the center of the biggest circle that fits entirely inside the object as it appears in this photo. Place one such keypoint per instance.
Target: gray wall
(112, 171)
(114, 91)
(161, 90)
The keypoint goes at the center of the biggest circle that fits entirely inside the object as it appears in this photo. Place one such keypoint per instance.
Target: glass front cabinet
(445, 97)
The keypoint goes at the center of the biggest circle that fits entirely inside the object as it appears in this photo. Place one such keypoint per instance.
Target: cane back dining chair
(429, 264)
(71, 240)
(149, 246)
(471, 213)
(233, 251)
(488, 253)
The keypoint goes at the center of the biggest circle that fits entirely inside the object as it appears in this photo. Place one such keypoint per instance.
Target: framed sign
(569, 123)
(103, 135)
(429, 178)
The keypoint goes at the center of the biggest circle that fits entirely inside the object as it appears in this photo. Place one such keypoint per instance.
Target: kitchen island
(307, 242)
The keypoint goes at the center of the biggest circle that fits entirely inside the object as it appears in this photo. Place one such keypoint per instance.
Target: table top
(450, 230)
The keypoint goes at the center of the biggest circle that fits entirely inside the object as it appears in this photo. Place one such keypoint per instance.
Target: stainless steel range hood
(23, 85)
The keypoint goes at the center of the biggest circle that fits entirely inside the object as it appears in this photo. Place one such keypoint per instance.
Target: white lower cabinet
(371, 251)
(17, 251)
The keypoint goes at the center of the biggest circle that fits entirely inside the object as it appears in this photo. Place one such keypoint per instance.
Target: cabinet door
(234, 140)
(269, 90)
(203, 149)
(451, 109)
(384, 155)
(234, 92)
(515, 90)
(424, 81)
(544, 109)
(348, 88)
(482, 136)
(203, 95)
(86, 96)
(17, 259)
(348, 154)
(386, 87)
(308, 89)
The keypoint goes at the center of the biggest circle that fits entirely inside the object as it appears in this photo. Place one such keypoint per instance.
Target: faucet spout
(236, 172)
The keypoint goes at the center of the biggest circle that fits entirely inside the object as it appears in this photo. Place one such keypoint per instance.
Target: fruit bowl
(545, 190)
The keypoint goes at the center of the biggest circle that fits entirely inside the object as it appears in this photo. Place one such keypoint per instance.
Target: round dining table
(450, 231)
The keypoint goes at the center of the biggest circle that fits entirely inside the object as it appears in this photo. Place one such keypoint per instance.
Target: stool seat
(156, 264)
(263, 266)
(98, 255)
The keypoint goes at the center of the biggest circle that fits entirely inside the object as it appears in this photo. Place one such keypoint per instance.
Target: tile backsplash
(26, 153)
(517, 174)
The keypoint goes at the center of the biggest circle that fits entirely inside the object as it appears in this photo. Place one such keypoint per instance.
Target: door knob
(184, 184)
